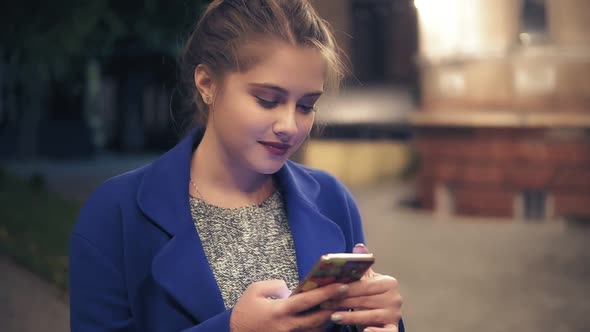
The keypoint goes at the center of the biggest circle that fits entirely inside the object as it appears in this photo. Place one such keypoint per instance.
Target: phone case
(336, 268)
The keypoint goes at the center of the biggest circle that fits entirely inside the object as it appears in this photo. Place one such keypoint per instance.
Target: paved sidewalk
(474, 275)
(28, 303)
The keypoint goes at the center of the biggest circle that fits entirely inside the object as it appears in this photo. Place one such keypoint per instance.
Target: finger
(312, 319)
(271, 289)
(386, 328)
(375, 317)
(377, 285)
(379, 301)
(360, 248)
(362, 302)
(307, 300)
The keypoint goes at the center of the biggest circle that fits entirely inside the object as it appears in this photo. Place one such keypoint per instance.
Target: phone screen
(336, 268)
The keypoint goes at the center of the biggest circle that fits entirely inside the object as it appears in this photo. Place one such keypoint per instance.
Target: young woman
(215, 234)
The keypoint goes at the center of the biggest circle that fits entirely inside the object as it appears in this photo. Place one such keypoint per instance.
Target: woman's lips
(276, 148)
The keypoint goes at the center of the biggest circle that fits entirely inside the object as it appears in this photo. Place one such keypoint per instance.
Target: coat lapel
(314, 234)
(181, 266)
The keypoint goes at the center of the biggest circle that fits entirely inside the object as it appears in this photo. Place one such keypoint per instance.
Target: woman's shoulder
(119, 186)
(105, 203)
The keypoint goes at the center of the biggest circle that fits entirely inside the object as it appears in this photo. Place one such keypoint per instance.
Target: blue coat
(136, 261)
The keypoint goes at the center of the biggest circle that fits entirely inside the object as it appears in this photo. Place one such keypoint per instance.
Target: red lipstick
(276, 148)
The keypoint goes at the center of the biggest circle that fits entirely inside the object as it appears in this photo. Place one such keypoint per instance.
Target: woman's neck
(221, 181)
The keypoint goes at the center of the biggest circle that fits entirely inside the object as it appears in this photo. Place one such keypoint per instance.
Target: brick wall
(487, 168)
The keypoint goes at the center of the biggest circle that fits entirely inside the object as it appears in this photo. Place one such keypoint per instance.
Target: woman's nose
(285, 124)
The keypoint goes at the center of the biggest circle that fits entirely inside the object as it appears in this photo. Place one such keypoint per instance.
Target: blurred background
(463, 131)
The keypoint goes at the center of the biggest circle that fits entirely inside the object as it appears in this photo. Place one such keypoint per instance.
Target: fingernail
(367, 330)
(360, 248)
(343, 289)
(336, 318)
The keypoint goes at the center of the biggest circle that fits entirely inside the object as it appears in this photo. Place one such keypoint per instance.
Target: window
(533, 22)
(535, 205)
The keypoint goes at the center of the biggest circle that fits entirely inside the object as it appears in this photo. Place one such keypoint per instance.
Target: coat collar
(181, 267)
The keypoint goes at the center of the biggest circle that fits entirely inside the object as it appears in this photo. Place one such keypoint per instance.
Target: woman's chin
(270, 167)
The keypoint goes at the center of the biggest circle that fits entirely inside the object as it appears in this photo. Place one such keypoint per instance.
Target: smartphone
(335, 268)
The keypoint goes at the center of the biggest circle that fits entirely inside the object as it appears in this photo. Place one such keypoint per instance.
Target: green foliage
(37, 182)
(43, 37)
(35, 227)
(157, 24)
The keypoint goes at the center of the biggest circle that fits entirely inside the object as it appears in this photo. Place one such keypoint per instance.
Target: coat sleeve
(218, 322)
(98, 287)
(98, 300)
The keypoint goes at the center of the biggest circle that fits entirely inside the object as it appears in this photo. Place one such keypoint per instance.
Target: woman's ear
(205, 83)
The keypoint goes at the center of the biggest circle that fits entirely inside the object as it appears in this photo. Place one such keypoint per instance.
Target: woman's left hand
(376, 301)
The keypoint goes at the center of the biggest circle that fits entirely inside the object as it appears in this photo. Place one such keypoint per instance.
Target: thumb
(271, 289)
(360, 248)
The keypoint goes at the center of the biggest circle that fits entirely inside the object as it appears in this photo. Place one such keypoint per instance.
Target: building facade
(504, 125)
(365, 135)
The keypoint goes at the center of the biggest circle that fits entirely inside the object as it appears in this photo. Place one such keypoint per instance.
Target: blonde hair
(226, 37)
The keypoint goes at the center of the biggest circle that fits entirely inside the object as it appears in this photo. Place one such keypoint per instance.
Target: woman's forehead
(294, 68)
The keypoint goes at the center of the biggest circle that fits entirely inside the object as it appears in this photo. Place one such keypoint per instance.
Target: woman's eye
(307, 109)
(266, 103)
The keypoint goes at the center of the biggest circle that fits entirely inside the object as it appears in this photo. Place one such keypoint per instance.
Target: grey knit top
(246, 244)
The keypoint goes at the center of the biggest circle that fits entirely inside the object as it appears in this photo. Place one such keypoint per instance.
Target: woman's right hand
(266, 306)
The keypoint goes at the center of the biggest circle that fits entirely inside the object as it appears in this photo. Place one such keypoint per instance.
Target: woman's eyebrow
(283, 90)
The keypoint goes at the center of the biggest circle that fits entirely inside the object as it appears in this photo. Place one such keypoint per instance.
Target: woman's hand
(376, 301)
(266, 306)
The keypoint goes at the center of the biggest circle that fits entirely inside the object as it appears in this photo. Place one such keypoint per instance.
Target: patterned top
(246, 244)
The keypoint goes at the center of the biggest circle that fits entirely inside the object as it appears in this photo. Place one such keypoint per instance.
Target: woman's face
(263, 115)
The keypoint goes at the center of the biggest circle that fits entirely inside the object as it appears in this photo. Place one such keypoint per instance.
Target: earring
(207, 99)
